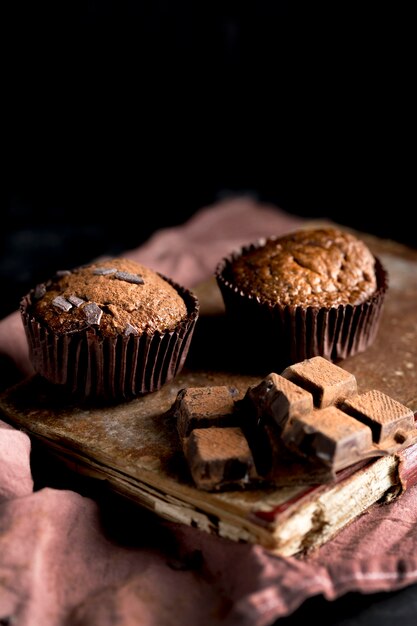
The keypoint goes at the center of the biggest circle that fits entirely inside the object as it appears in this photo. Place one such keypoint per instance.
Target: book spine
(407, 468)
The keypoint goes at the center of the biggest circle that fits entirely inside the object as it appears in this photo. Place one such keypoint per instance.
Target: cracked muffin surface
(311, 267)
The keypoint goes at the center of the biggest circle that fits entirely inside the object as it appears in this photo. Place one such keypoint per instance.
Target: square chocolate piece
(202, 407)
(279, 398)
(329, 383)
(218, 457)
(330, 435)
(385, 416)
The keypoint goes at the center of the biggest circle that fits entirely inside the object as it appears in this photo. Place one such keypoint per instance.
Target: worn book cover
(134, 446)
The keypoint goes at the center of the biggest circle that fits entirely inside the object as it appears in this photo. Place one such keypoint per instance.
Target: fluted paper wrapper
(271, 337)
(110, 368)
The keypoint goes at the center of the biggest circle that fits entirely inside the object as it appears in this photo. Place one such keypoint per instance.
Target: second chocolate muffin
(312, 292)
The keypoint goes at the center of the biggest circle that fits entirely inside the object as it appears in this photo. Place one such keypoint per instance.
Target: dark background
(123, 117)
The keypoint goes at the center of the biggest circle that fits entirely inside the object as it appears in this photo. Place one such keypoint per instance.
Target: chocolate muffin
(110, 330)
(312, 292)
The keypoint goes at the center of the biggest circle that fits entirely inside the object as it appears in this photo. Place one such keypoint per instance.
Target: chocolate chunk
(275, 462)
(218, 457)
(385, 416)
(130, 330)
(330, 435)
(201, 407)
(280, 398)
(76, 301)
(93, 313)
(329, 383)
(104, 271)
(61, 273)
(264, 438)
(39, 291)
(62, 303)
(129, 278)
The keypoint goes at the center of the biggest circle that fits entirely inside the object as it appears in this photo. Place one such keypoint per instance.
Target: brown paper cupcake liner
(272, 337)
(110, 368)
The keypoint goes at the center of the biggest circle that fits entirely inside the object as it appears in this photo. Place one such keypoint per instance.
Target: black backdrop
(122, 117)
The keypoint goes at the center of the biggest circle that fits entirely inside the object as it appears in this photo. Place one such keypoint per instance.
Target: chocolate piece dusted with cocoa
(386, 417)
(202, 407)
(277, 463)
(219, 457)
(329, 383)
(280, 398)
(330, 435)
(264, 438)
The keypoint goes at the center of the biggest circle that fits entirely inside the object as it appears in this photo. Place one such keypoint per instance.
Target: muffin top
(309, 267)
(114, 296)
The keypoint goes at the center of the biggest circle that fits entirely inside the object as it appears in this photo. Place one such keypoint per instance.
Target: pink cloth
(60, 563)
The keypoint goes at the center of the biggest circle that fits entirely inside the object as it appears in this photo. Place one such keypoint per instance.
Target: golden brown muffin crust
(116, 296)
(311, 267)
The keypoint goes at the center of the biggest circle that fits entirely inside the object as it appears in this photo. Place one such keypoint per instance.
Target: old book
(134, 447)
